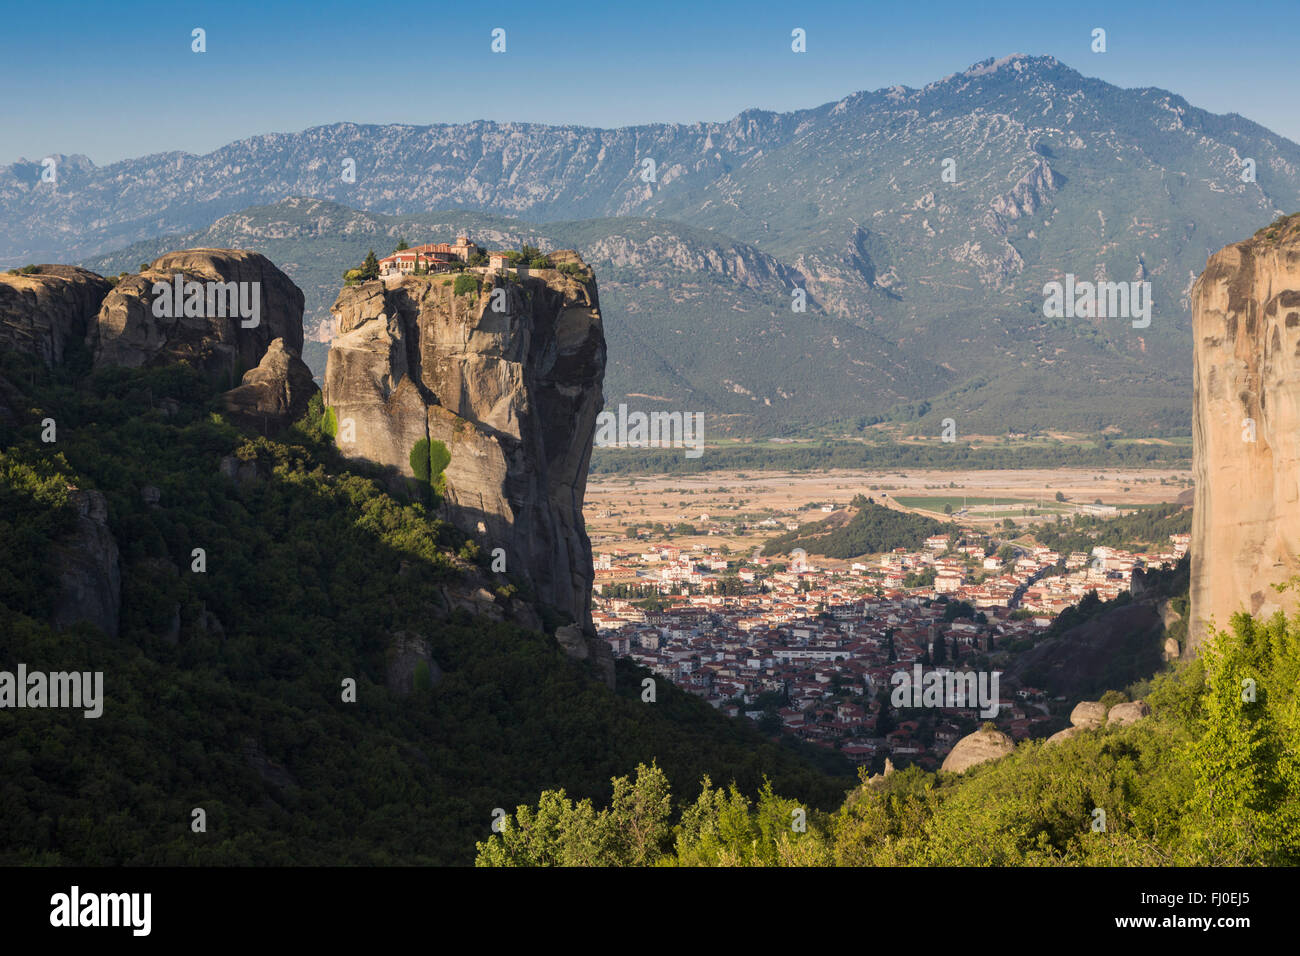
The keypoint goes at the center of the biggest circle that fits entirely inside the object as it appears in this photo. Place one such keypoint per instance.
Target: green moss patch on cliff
(429, 459)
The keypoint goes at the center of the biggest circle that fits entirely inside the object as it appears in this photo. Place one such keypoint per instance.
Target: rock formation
(1246, 429)
(41, 313)
(129, 333)
(409, 663)
(1088, 714)
(491, 396)
(1093, 715)
(90, 575)
(51, 309)
(1066, 734)
(980, 747)
(275, 394)
(1124, 714)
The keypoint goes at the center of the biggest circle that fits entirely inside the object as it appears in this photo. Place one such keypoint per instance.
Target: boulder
(1088, 714)
(275, 394)
(42, 313)
(243, 472)
(587, 646)
(90, 575)
(573, 641)
(977, 748)
(1124, 714)
(1065, 734)
(129, 332)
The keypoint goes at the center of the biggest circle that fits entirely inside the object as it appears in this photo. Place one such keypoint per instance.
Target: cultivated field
(614, 502)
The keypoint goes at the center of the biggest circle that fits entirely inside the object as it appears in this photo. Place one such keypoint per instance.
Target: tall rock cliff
(42, 313)
(492, 396)
(1246, 428)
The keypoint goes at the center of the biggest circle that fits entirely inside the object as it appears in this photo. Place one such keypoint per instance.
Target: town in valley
(806, 645)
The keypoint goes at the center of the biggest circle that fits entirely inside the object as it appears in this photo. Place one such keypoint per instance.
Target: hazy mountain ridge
(1055, 173)
(695, 318)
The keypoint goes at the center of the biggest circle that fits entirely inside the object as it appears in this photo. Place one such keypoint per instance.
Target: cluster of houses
(827, 640)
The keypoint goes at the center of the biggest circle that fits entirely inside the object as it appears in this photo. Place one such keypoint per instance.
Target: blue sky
(112, 80)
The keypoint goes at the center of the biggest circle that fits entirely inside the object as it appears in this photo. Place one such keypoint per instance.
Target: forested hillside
(223, 690)
(872, 530)
(1150, 526)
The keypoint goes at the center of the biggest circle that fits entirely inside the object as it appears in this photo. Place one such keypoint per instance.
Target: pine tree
(370, 268)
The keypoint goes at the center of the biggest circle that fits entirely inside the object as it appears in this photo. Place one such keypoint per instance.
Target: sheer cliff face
(1246, 425)
(510, 392)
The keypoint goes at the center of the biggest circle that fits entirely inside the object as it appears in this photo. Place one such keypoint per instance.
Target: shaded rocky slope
(76, 321)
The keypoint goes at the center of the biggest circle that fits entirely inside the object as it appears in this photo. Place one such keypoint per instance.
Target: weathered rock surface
(1125, 714)
(404, 659)
(512, 395)
(1245, 422)
(977, 748)
(271, 772)
(1088, 714)
(128, 333)
(90, 575)
(42, 313)
(246, 473)
(275, 394)
(583, 645)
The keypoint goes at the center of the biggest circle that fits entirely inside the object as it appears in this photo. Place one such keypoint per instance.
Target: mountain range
(925, 291)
